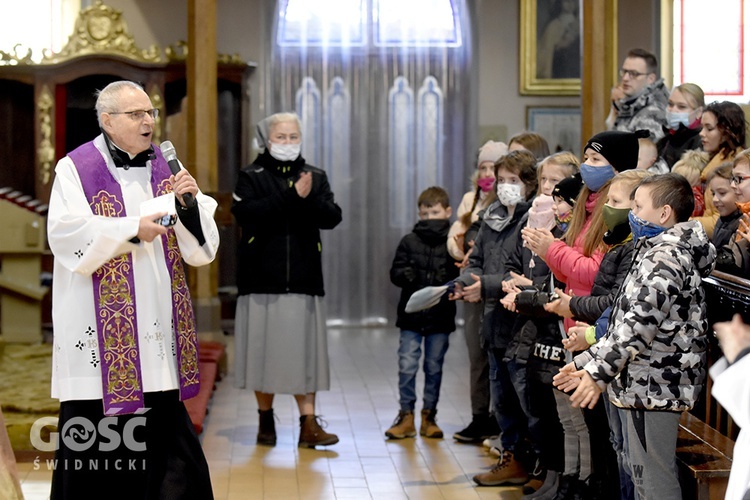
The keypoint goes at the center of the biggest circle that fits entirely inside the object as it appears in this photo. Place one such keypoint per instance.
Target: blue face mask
(596, 177)
(642, 228)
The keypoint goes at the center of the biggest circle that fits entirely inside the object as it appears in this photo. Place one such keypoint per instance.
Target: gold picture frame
(550, 47)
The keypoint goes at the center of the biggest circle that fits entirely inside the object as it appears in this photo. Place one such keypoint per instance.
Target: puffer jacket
(654, 354)
(422, 260)
(645, 111)
(612, 271)
(496, 239)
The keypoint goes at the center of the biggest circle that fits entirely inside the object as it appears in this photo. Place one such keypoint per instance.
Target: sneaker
(507, 471)
(429, 427)
(480, 428)
(493, 445)
(403, 426)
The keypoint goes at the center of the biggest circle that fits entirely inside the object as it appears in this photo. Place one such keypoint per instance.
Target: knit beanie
(618, 147)
(491, 151)
(568, 189)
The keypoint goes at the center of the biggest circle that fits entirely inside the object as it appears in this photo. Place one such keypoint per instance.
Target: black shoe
(566, 487)
(478, 430)
(266, 428)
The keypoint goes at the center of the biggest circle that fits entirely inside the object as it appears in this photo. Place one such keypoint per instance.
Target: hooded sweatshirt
(654, 354)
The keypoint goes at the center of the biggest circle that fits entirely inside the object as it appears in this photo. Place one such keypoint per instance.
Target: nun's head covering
(263, 128)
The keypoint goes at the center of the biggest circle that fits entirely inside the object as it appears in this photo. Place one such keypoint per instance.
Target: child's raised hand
(537, 240)
(744, 228)
(561, 306)
(568, 378)
(587, 393)
(509, 301)
(473, 292)
(520, 279)
(576, 340)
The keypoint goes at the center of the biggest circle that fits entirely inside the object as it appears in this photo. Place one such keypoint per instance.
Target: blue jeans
(619, 438)
(409, 352)
(505, 404)
(517, 374)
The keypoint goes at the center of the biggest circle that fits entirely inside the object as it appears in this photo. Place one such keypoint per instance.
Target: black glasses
(139, 114)
(631, 73)
(738, 179)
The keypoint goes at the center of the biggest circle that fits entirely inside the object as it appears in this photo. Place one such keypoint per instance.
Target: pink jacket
(570, 265)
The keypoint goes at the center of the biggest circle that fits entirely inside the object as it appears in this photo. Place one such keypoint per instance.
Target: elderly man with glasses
(640, 100)
(125, 349)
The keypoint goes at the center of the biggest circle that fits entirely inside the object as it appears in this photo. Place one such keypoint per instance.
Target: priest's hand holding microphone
(185, 189)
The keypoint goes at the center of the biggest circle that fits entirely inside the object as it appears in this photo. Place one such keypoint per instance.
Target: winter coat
(280, 247)
(422, 260)
(653, 356)
(571, 266)
(496, 239)
(726, 227)
(612, 271)
(537, 339)
(676, 142)
(647, 111)
(734, 257)
(710, 215)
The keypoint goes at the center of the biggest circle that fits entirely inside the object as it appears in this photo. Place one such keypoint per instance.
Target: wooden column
(599, 64)
(202, 160)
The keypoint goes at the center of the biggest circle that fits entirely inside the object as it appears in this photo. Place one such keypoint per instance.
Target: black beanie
(619, 148)
(568, 189)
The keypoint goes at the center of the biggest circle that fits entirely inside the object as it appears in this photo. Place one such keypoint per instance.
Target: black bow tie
(123, 160)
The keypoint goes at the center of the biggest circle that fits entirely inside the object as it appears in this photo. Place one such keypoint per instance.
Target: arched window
(381, 87)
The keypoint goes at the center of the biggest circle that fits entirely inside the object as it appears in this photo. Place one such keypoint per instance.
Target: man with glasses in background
(640, 100)
(125, 349)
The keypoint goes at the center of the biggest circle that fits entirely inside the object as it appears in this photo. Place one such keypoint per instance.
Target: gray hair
(108, 98)
(265, 125)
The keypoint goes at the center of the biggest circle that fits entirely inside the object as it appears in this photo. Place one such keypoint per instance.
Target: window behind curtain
(382, 89)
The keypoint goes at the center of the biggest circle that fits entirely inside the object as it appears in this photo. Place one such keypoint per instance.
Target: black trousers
(154, 455)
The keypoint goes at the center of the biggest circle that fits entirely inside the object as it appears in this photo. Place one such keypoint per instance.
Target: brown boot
(507, 471)
(429, 427)
(266, 428)
(403, 426)
(312, 435)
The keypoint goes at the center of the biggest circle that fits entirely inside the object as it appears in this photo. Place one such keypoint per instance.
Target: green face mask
(613, 217)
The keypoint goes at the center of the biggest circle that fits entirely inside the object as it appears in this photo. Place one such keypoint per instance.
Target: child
(589, 308)
(690, 166)
(734, 257)
(576, 260)
(483, 425)
(652, 359)
(422, 260)
(725, 201)
(516, 182)
(535, 352)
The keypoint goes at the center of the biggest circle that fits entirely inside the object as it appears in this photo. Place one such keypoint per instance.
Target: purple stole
(114, 293)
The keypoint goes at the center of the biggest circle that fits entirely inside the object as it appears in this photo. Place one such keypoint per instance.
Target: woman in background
(281, 203)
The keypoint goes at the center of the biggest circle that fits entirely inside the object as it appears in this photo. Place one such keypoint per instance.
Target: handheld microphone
(167, 149)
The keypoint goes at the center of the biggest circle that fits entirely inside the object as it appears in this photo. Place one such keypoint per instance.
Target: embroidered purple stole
(114, 293)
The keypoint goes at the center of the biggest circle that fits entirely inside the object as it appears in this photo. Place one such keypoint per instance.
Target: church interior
(214, 70)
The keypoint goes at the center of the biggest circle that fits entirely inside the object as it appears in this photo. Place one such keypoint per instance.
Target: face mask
(485, 184)
(596, 177)
(642, 228)
(613, 217)
(509, 194)
(563, 220)
(674, 120)
(285, 152)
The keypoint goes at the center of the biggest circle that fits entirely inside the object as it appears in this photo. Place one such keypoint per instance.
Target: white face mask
(285, 152)
(509, 194)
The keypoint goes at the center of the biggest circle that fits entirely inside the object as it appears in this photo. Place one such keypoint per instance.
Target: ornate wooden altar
(47, 108)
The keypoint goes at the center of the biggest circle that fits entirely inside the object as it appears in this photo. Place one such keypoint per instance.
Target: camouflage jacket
(647, 110)
(654, 353)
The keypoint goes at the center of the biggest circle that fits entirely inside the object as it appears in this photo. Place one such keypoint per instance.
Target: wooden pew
(704, 459)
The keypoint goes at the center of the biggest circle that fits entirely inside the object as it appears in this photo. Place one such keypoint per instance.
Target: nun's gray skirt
(281, 344)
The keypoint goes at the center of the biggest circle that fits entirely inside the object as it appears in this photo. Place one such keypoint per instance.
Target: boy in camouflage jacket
(652, 360)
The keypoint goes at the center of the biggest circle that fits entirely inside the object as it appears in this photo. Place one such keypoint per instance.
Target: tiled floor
(360, 406)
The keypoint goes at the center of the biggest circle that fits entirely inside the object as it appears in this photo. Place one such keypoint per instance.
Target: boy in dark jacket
(422, 260)
(652, 360)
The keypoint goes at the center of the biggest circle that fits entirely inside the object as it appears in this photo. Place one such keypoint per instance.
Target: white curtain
(385, 121)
